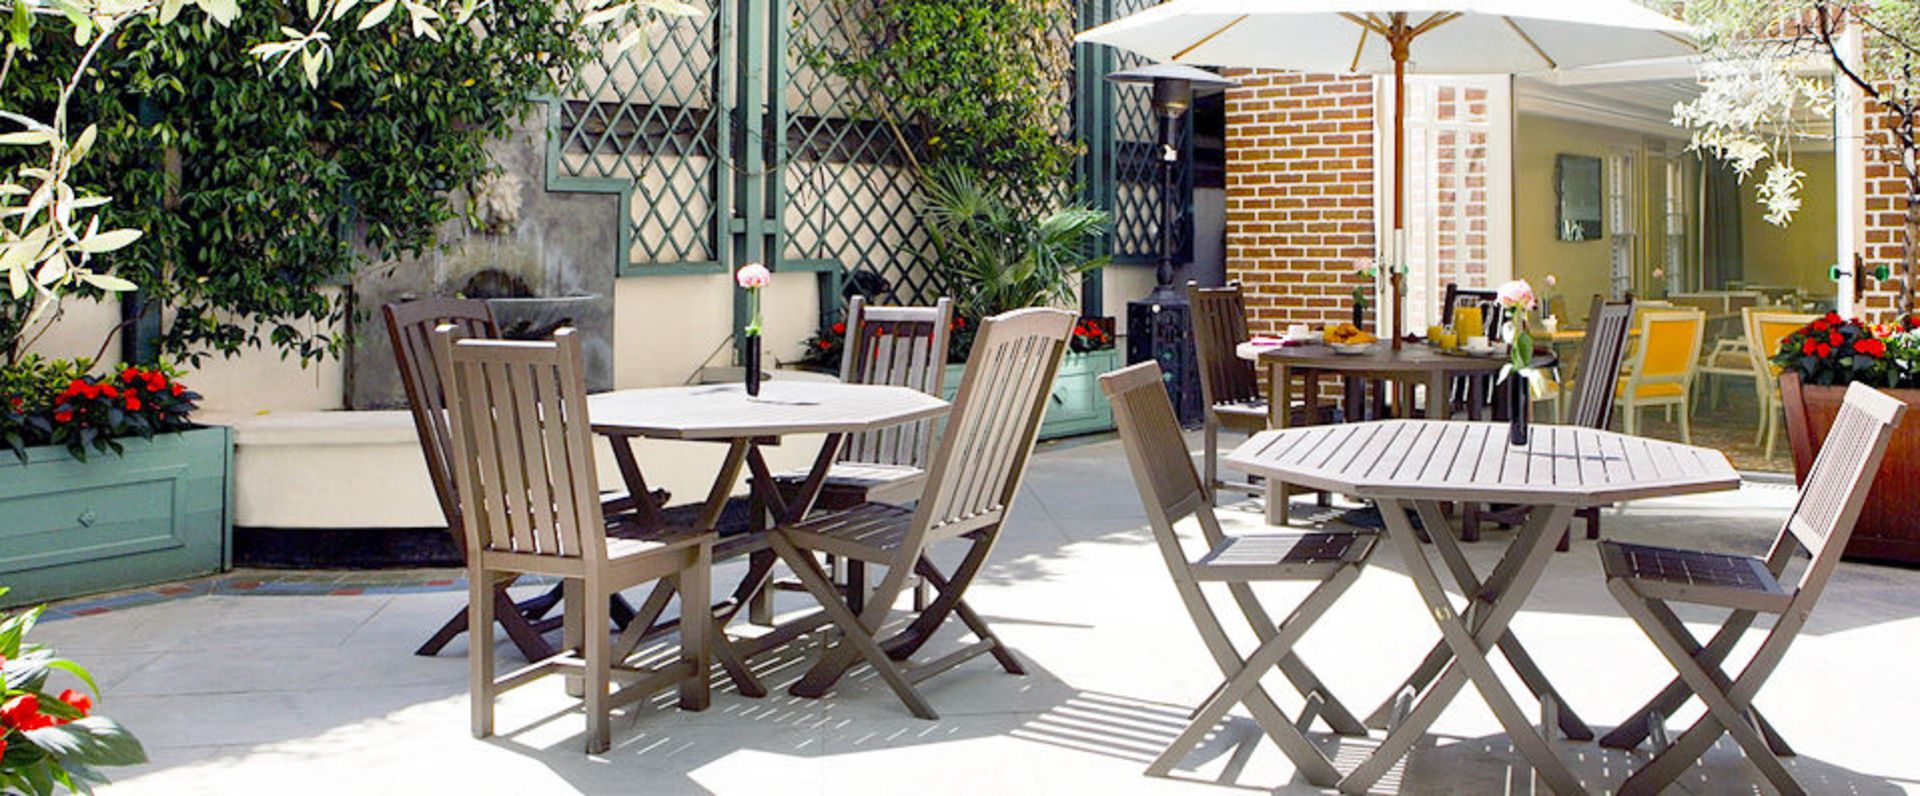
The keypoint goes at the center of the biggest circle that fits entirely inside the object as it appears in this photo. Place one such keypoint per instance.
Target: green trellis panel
(725, 145)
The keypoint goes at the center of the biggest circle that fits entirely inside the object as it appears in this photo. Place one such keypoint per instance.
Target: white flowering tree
(51, 229)
(1756, 100)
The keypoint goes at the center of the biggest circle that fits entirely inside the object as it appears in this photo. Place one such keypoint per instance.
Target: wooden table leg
(1279, 413)
(1468, 638)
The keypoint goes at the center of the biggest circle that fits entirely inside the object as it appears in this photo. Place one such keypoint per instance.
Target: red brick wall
(1300, 204)
(1885, 227)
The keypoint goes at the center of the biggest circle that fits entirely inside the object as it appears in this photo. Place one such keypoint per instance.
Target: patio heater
(1160, 326)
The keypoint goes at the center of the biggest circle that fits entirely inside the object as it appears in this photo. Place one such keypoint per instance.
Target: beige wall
(1799, 253)
(666, 328)
(1583, 268)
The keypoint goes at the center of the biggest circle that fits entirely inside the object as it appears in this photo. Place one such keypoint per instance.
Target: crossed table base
(724, 414)
(1419, 465)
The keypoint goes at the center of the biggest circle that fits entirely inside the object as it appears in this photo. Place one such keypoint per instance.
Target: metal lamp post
(1159, 326)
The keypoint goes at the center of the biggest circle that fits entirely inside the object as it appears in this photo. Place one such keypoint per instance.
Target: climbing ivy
(979, 84)
(255, 190)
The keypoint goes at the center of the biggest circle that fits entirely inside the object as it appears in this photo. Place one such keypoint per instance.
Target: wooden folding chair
(410, 328)
(897, 346)
(1646, 579)
(1591, 406)
(1229, 384)
(971, 484)
(523, 459)
(1172, 491)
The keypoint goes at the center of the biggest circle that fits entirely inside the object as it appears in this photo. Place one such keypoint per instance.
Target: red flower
(130, 374)
(79, 701)
(839, 327)
(3, 746)
(133, 402)
(824, 345)
(1871, 347)
(74, 388)
(23, 713)
(1820, 324)
(1834, 338)
(156, 381)
(177, 389)
(110, 391)
(1825, 350)
(63, 416)
(1809, 347)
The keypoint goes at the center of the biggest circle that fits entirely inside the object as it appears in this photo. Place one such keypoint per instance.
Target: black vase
(1359, 315)
(751, 357)
(1520, 404)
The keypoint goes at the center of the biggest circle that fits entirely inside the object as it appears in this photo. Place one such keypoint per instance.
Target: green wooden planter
(163, 512)
(1077, 406)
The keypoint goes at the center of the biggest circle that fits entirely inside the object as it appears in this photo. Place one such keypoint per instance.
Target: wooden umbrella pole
(1398, 38)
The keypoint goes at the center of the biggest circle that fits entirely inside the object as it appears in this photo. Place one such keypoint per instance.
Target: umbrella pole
(1398, 39)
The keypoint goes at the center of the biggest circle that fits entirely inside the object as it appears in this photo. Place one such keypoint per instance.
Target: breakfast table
(1413, 364)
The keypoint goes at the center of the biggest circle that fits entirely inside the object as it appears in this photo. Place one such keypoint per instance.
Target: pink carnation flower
(753, 276)
(1516, 294)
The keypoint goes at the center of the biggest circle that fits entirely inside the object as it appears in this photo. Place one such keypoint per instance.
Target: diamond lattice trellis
(847, 192)
(1135, 166)
(647, 121)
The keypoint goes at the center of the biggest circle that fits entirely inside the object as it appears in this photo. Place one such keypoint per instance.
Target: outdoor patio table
(1419, 464)
(1404, 368)
(724, 413)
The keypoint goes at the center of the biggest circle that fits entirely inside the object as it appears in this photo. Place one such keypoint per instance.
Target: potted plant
(1817, 363)
(109, 483)
(997, 256)
(51, 739)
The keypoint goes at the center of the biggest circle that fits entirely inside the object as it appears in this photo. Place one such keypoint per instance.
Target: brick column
(1300, 203)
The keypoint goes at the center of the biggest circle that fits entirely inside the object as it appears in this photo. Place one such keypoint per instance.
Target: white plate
(1351, 349)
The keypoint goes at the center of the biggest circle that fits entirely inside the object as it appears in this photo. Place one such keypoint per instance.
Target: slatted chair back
(1838, 483)
(1487, 300)
(901, 347)
(1608, 323)
(1219, 327)
(1669, 350)
(1150, 432)
(1765, 328)
(992, 425)
(523, 447)
(410, 327)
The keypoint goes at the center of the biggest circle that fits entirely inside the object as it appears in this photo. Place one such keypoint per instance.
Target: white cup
(1478, 342)
(1551, 324)
(1297, 331)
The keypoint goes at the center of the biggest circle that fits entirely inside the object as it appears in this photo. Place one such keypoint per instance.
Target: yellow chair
(1765, 329)
(1662, 370)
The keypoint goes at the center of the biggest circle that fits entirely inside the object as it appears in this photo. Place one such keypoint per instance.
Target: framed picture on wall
(1576, 189)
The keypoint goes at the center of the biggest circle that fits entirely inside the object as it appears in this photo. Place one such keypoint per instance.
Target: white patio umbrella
(1461, 37)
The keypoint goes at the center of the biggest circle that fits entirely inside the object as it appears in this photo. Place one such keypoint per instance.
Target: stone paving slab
(291, 687)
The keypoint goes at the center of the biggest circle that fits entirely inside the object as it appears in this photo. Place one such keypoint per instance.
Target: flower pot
(161, 512)
(1889, 526)
(1075, 405)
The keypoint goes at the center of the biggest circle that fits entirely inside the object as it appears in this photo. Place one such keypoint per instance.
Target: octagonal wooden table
(1418, 465)
(724, 413)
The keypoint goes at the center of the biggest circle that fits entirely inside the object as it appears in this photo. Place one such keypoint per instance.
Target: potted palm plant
(996, 255)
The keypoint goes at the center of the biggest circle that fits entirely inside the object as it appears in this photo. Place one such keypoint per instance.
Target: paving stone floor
(275, 689)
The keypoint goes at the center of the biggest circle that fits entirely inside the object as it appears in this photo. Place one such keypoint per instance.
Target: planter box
(1077, 407)
(161, 513)
(1889, 525)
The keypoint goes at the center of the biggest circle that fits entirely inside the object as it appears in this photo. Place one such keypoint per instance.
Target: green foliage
(1001, 256)
(256, 190)
(979, 82)
(47, 739)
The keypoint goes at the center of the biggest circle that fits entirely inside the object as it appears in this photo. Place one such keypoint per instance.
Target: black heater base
(1160, 328)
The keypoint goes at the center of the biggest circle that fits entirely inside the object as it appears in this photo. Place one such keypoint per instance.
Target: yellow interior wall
(1582, 267)
(1799, 253)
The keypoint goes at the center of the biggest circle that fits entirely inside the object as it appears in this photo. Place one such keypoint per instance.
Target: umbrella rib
(1437, 20)
(1359, 47)
(1551, 64)
(1368, 22)
(1207, 38)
